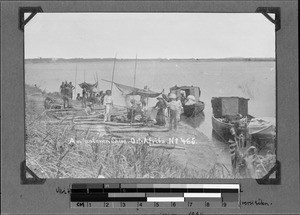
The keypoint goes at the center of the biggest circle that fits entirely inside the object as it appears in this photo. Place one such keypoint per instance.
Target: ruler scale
(114, 195)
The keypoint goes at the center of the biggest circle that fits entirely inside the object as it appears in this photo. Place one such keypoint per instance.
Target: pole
(76, 81)
(134, 79)
(113, 74)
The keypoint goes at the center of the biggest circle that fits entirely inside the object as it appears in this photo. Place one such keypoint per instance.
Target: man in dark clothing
(71, 90)
(65, 97)
(61, 88)
(160, 116)
(84, 97)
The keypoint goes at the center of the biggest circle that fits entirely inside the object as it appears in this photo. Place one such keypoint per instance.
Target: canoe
(166, 146)
(261, 128)
(193, 110)
(107, 123)
(143, 129)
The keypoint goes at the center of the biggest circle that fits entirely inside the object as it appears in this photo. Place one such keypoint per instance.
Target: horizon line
(158, 58)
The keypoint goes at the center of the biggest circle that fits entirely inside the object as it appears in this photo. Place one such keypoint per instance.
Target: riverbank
(54, 149)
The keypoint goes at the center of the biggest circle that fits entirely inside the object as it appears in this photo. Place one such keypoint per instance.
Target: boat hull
(193, 110)
(222, 129)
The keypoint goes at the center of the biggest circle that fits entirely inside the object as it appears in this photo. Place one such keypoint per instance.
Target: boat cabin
(224, 106)
(189, 90)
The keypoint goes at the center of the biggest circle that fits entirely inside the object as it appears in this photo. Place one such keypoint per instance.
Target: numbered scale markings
(154, 195)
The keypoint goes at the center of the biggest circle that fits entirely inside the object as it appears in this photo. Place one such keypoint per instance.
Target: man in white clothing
(108, 104)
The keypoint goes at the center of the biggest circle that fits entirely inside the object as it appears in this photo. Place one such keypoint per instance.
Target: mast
(76, 81)
(134, 77)
(113, 74)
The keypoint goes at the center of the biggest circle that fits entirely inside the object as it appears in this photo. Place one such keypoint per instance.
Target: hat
(172, 96)
(191, 97)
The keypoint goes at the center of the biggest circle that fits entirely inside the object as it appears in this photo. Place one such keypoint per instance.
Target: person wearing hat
(139, 114)
(108, 104)
(131, 110)
(174, 107)
(160, 116)
(89, 108)
(84, 97)
(182, 96)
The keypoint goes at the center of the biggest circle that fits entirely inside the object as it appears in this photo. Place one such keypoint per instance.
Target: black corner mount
(266, 180)
(34, 180)
(22, 11)
(275, 10)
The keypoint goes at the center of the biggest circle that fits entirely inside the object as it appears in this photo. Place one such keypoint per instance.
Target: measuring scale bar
(155, 195)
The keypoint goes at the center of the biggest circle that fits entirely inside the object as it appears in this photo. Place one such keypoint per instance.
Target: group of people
(170, 105)
(107, 100)
(174, 106)
(136, 111)
(90, 97)
(66, 91)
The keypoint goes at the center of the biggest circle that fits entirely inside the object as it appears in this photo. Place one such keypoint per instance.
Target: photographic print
(150, 95)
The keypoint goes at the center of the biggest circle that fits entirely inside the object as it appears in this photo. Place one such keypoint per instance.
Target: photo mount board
(12, 44)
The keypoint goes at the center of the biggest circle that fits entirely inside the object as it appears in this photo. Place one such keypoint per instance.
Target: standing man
(174, 107)
(108, 104)
(62, 88)
(84, 97)
(65, 96)
(160, 116)
(71, 89)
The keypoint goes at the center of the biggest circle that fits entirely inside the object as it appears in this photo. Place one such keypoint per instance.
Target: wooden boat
(193, 109)
(262, 129)
(232, 112)
(227, 112)
(222, 129)
(142, 129)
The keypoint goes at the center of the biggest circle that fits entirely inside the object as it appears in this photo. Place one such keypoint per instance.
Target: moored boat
(231, 119)
(190, 99)
(230, 114)
(194, 109)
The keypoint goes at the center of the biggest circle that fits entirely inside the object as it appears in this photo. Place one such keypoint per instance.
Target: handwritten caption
(146, 140)
(60, 190)
(258, 202)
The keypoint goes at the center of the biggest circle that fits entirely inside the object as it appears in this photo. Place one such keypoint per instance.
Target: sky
(149, 35)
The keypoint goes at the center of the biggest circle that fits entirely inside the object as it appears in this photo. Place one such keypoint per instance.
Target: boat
(229, 113)
(189, 109)
(260, 128)
(231, 119)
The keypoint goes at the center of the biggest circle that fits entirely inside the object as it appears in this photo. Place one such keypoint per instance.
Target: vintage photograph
(150, 95)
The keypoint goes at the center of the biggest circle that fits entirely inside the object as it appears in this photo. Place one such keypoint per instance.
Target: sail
(88, 86)
(134, 91)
